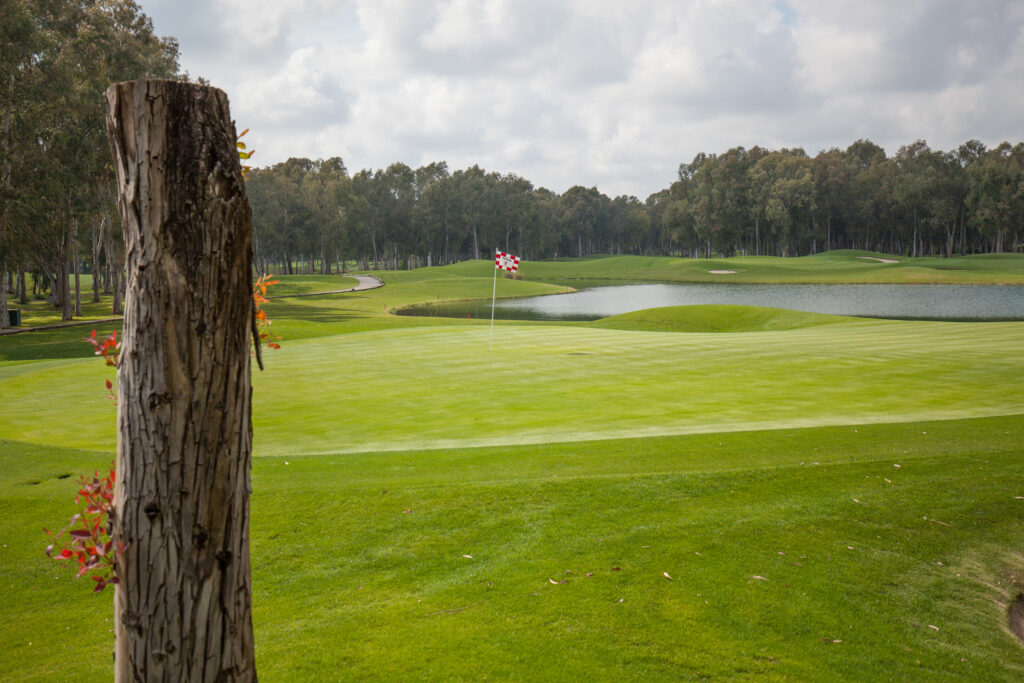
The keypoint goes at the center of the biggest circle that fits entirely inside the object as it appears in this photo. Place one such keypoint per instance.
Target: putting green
(441, 386)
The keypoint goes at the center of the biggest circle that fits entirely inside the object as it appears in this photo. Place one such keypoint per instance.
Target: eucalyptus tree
(322, 192)
(628, 224)
(470, 205)
(431, 214)
(721, 198)
(996, 195)
(18, 43)
(514, 210)
(870, 203)
(832, 192)
(540, 233)
(57, 57)
(967, 154)
(784, 188)
(679, 224)
(584, 216)
(398, 195)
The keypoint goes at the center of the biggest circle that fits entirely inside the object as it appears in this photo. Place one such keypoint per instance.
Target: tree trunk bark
(97, 250)
(5, 183)
(4, 314)
(77, 265)
(115, 270)
(183, 605)
(64, 276)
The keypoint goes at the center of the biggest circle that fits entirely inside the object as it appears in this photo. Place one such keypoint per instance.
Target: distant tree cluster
(56, 180)
(312, 216)
(918, 202)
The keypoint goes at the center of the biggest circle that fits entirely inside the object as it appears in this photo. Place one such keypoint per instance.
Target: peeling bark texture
(183, 607)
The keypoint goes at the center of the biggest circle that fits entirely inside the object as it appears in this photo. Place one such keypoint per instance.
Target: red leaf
(80, 533)
(65, 554)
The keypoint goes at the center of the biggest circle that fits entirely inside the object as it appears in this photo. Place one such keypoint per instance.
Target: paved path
(365, 282)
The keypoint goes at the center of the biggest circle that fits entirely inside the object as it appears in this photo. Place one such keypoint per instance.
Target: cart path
(365, 282)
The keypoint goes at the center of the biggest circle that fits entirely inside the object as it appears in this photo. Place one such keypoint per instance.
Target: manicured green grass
(360, 572)
(716, 318)
(441, 386)
(869, 531)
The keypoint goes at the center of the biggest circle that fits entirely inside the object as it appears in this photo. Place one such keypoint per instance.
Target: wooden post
(182, 608)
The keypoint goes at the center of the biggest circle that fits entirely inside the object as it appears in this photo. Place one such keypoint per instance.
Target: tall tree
(56, 58)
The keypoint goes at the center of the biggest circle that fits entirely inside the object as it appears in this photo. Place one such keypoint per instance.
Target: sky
(603, 93)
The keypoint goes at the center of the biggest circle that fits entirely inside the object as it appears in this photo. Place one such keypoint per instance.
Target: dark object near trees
(14, 316)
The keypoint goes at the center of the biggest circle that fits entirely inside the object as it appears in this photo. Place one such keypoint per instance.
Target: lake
(924, 302)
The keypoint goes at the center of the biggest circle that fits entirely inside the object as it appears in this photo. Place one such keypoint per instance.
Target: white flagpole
(494, 291)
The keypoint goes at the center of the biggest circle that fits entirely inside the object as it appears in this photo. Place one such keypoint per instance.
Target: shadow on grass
(57, 344)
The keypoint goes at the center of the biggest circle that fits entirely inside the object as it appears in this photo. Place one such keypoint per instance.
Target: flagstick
(494, 291)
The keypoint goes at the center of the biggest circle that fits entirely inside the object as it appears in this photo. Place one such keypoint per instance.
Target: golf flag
(503, 261)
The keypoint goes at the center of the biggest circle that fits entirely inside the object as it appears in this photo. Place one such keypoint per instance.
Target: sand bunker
(723, 272)
(880, 260)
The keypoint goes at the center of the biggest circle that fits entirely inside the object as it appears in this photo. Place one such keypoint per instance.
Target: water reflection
(931, 302)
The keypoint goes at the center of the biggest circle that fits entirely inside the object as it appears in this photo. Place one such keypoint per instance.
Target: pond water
(926, 302)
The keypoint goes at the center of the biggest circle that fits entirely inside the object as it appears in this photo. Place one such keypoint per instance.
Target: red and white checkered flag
(503, 261)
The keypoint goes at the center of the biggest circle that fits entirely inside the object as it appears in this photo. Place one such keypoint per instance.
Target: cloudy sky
(601, 92)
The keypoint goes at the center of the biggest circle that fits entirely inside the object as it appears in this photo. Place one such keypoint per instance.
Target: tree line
(57, 209)
(313, 216)
(57, 215)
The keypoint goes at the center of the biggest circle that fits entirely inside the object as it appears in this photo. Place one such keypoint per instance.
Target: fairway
(802, 497)
(441, 387)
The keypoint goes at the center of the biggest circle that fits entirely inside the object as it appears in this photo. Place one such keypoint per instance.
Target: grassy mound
(717, 318)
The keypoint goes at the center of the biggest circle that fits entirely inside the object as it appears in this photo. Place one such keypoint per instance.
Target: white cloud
(602, 93)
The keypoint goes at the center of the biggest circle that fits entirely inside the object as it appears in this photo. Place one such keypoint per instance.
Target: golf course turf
(683, 493)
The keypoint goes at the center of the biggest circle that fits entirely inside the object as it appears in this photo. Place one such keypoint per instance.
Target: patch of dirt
(1016, 616)
(723, 272)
